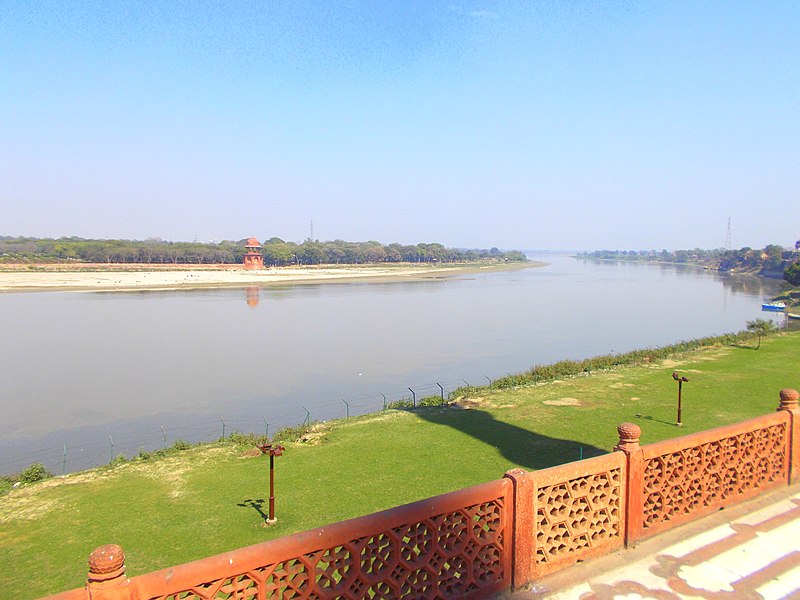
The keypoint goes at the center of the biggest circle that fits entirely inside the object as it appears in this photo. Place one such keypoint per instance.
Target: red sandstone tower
(252, 258)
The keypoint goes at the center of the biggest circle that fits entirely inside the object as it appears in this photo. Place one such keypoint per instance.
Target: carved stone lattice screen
(452, 546)
(712, 469)
(578, 511)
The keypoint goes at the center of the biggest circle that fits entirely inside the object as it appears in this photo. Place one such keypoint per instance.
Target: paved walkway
(751, 551)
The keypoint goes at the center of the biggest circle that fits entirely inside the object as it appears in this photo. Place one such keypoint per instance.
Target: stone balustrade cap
(629, 432)
(106, 559)
(789, 396)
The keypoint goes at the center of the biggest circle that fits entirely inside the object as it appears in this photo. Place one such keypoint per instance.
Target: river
(90, 375)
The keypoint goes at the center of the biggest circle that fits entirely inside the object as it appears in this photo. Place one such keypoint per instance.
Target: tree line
(771, 260)
(276, 252)
(279, 252)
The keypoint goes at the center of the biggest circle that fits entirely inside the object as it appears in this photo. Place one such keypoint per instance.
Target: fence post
(106, 579)
(629, 434)
(523, 536)
(789, 403)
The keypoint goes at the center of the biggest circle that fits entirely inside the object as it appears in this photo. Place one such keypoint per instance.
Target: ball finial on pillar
(629, 434)
(106, 562)
(789, 399)
(106, 579)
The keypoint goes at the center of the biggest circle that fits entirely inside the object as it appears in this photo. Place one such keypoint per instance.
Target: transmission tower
(728, 236)
(311, 231)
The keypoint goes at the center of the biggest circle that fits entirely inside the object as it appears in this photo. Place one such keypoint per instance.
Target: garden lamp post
(273, 451)
(680, 381)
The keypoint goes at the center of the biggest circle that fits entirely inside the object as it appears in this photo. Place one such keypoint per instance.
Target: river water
(87, 375)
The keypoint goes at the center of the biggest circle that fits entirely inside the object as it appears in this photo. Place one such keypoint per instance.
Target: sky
(530, 125)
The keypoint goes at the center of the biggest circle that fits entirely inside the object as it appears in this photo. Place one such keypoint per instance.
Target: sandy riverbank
(26, 278)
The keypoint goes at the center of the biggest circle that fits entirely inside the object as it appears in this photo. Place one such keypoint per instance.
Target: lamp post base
(679, 424)
(268, 522)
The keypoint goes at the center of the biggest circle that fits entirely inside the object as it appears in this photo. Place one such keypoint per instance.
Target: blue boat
(773, 306)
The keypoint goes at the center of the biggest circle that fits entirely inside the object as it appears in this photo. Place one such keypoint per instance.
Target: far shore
(133, 277)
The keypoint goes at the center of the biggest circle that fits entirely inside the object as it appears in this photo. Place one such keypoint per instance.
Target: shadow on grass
(528, 449)
(257, 504)
(649, 418)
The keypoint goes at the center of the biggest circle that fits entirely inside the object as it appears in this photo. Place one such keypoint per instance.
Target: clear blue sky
(556, 125)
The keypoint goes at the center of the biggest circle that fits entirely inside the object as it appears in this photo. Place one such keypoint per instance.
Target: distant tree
(515, 256)
(311, 253)
(792, 274)
(374, 252)
(774, 257)
(394, 252)
(761, 328)
(277, 253)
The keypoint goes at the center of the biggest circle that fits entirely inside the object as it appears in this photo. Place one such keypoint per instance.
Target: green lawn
(203, 501)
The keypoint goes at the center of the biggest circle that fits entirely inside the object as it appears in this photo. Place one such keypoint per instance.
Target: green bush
(36, 472)
(181, 445)
(403, 404)
(430, 401)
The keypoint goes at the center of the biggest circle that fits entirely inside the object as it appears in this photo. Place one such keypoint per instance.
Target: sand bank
(151, 277)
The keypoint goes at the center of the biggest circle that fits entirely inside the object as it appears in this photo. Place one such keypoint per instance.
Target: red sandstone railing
(567, 513)
(475, 542)
(692, 476)
(453, 546)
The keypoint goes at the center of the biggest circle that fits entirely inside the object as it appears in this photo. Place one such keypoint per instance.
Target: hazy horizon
(546, 125)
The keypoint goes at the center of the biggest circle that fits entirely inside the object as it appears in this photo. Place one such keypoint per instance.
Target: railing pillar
(524, 528)
(106, 579)
(789, 403)
(629, 434)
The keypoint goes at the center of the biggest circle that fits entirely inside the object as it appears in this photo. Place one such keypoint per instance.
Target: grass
(206, 499)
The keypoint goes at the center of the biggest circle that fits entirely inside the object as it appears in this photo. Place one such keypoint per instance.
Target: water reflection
(253, 293)
(749, 284)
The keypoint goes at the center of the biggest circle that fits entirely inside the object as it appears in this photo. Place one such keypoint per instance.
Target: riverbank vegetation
(195, 501)
(772, 260)
(276, 251)
(791, 298)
